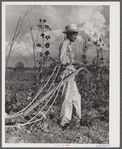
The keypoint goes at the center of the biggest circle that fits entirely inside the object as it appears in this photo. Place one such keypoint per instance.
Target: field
(94, 124)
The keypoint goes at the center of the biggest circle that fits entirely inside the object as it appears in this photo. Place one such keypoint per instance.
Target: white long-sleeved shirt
(66, 54)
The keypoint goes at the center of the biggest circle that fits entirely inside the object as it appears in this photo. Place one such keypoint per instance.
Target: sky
(92, 21)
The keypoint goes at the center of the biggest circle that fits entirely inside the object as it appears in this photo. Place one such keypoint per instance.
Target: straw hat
(72, 28)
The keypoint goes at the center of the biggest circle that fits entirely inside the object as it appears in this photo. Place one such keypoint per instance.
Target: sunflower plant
(44, 45)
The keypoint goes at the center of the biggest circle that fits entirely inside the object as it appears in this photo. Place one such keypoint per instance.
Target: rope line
(50, 77)
(46, 103)
(54, 78)
(37, 94)
(57, 88)
(29, 122)
(48, 108)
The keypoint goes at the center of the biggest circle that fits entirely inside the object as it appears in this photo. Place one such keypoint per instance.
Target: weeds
(95, 112)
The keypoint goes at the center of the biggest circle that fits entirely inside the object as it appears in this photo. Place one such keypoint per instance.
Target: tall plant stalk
(12, 42)
(31, 29)
(17, 31)
(42, 48)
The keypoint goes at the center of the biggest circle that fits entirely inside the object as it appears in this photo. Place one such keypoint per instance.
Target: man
(71, 97)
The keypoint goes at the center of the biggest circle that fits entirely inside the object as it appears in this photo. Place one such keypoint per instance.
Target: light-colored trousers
(71, 97)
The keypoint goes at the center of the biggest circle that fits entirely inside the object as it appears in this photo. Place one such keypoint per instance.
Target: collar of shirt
(68, 41)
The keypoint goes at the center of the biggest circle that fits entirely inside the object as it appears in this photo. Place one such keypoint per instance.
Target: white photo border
(114, 84)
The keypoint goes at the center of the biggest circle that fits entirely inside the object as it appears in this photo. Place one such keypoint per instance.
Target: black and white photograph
(60, 74)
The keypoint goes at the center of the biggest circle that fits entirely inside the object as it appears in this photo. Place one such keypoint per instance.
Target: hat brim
(71, 31)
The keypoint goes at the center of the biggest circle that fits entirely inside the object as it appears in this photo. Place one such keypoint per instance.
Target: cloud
(95, 25)
(90, 19)
(19, 49)
(25, 46)
(81, 14)
(55, 16)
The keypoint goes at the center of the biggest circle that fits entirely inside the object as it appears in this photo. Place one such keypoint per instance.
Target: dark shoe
(67, 126)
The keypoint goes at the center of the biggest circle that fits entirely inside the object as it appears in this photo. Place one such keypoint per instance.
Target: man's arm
(62, 54)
